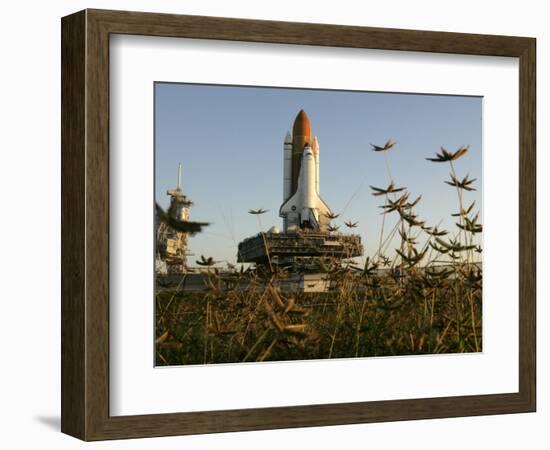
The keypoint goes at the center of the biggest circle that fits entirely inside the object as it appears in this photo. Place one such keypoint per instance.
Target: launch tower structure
(172, 245)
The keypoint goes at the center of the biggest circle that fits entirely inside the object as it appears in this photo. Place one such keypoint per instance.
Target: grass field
(413, 313)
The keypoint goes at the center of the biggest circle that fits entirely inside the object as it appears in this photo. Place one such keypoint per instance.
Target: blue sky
(230, 142)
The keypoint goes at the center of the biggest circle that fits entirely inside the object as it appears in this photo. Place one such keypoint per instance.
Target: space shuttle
(302, 208)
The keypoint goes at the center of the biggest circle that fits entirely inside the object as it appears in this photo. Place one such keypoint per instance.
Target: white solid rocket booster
(315, 148)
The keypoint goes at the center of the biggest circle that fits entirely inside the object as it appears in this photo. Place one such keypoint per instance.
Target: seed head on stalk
(445, 155)
(206, 262)
(183, 226)
(389, 190)
(388, 145)
(465, 183)
(258, 212)
(331, 215)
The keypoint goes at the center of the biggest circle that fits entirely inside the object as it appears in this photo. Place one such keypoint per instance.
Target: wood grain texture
(527, 224)
(85, 224)
(73, 274)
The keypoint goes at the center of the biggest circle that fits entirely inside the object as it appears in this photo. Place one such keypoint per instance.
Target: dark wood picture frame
(85, 224)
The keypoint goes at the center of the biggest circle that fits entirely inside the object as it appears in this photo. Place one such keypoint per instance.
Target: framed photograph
(272, 225)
